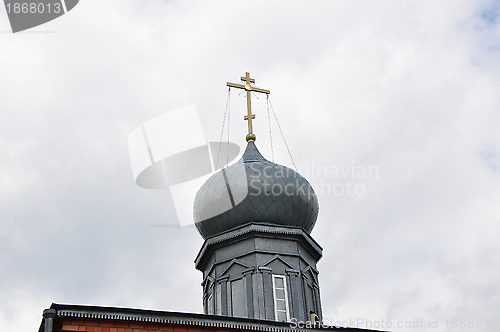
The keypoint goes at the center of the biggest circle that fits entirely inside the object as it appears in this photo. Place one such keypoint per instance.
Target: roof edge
(180, 318)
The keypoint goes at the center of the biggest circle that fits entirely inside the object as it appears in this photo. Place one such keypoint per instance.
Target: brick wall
(99, 325)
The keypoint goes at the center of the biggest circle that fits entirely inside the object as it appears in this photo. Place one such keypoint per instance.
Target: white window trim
(275, 276)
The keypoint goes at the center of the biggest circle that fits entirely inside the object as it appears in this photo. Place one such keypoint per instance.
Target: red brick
(70, 328)
(97, 329)
(136, 325)
(151, 327)
(82, 328)
(92, 322)
(166, 327)
(113, 329)
(108, 324)
(90, 328)
(77, 322)
(180, 329)
(128, 330)
(121, 324)
(64, 321)
(208, 330)
(121, 329)
(105, 329)
(192, 329)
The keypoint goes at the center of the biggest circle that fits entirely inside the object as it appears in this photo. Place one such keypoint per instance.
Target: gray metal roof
(242, 231)
(254, 190)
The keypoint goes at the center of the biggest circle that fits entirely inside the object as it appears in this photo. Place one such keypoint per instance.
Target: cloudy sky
(408, 88)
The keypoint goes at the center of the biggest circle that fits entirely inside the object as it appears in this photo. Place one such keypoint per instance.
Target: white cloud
(408, 87)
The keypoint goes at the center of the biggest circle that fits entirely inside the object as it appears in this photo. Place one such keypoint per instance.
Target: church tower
(258, 259)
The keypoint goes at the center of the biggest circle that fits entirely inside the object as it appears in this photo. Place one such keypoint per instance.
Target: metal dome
(254, 190)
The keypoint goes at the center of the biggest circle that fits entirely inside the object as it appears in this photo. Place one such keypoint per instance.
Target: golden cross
(248, 88)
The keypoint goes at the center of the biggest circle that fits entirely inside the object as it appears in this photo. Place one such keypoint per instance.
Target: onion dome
(254, 190)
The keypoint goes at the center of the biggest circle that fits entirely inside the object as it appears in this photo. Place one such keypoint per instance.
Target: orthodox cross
(250, 137)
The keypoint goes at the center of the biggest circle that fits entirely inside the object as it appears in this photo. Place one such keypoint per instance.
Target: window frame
(210, 303)
(285, 289)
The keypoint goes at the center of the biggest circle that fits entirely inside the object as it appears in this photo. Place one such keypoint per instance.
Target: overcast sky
(409, 88)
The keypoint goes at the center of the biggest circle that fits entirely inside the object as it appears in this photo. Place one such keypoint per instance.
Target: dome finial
(250, 137)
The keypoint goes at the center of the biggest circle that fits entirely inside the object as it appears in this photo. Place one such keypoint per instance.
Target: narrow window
(281, 311)
(210, 303)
